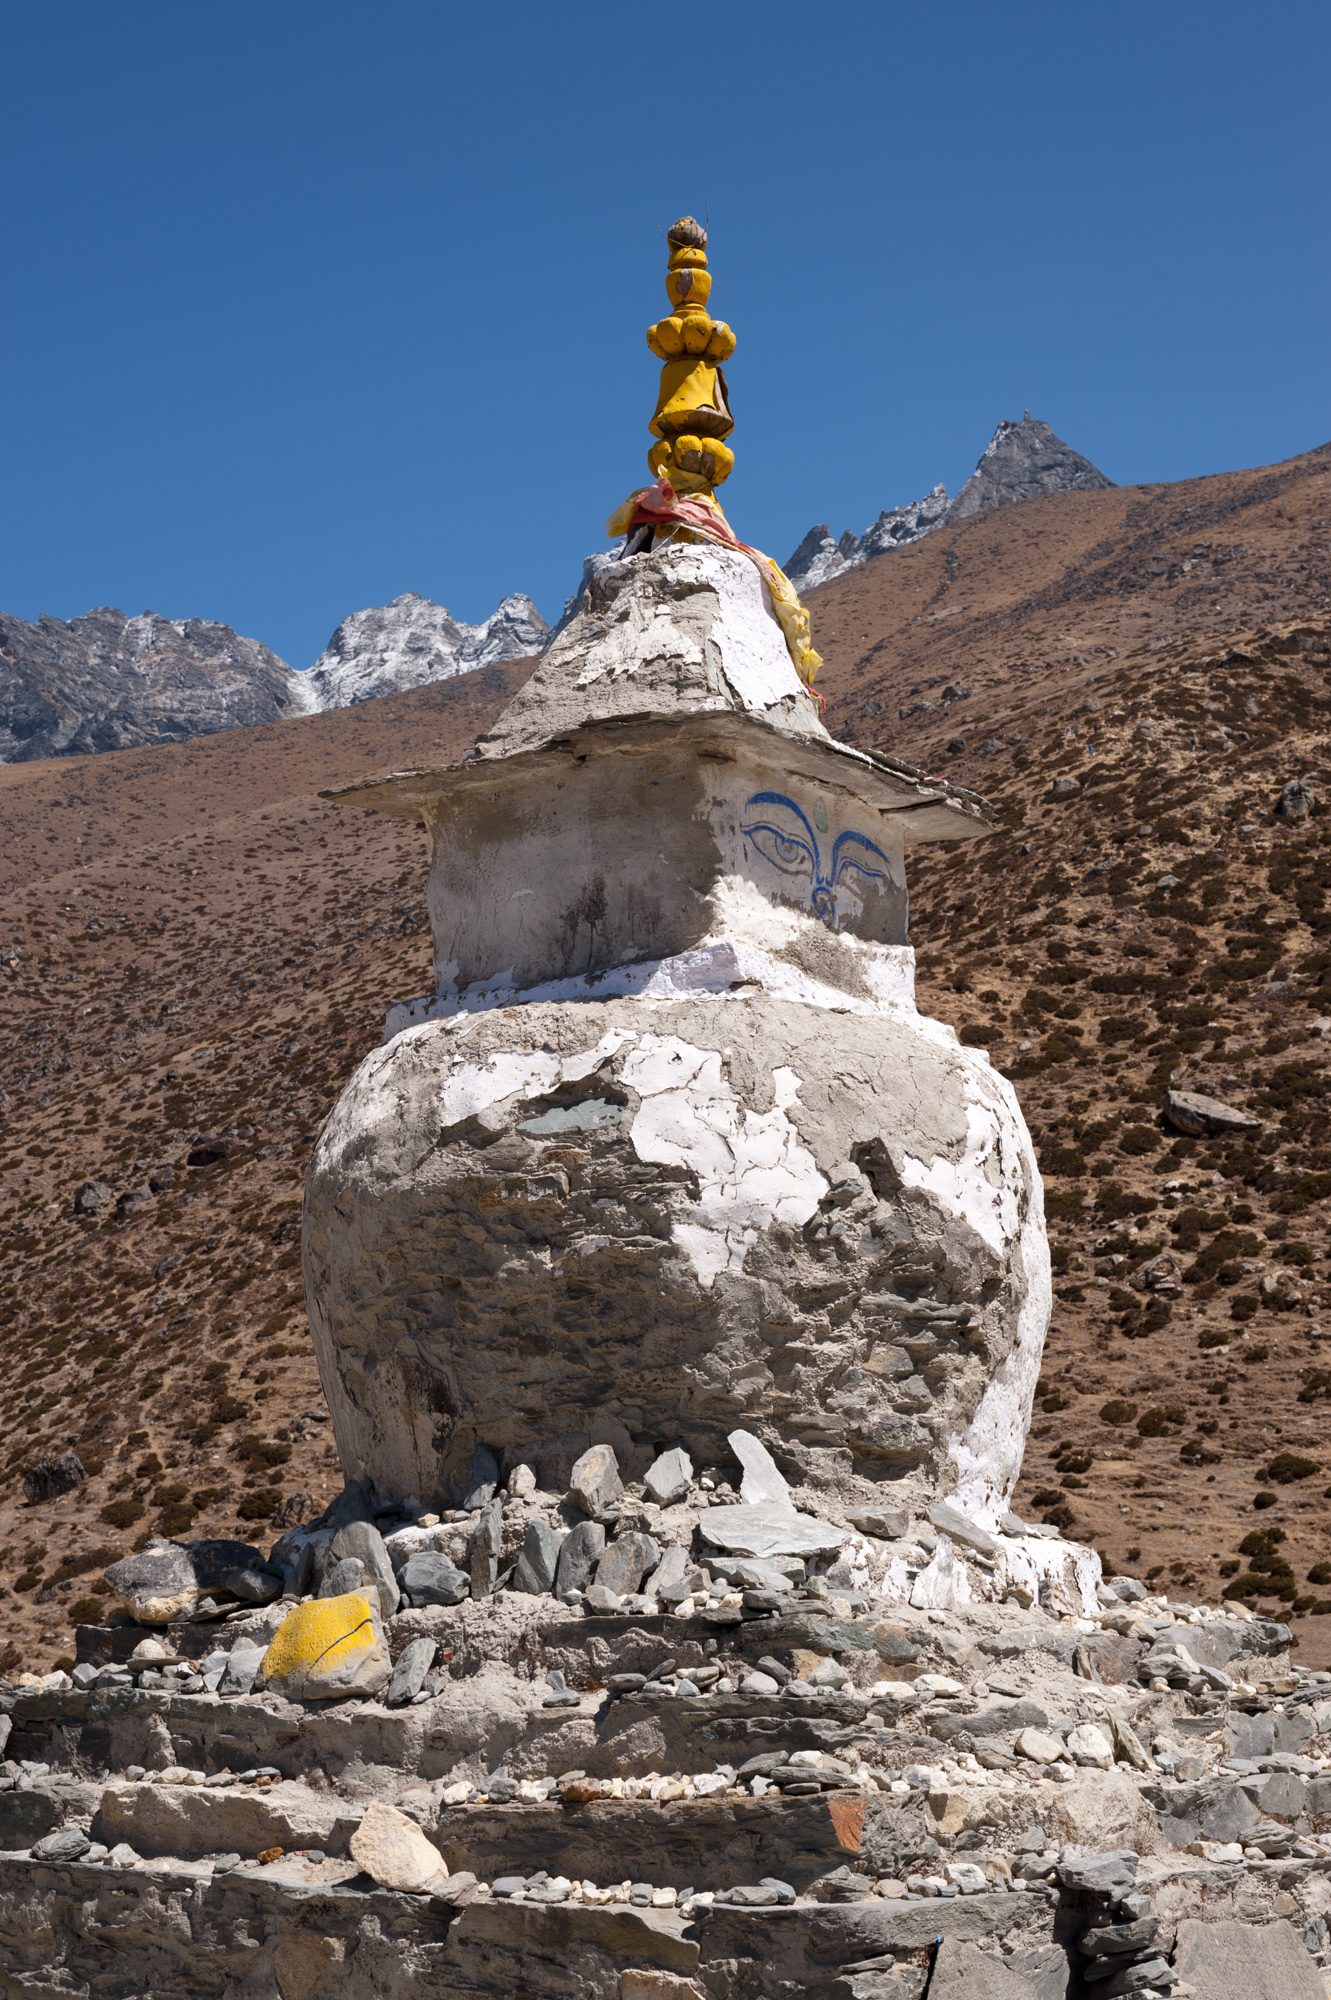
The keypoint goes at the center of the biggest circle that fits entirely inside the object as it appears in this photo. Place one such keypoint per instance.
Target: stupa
(669, 1149)
(679, 1294)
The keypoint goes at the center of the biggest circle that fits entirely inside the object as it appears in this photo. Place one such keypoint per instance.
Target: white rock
(762, 1484)
(392, 1849)
(1089, 1745)
(1039, 1746)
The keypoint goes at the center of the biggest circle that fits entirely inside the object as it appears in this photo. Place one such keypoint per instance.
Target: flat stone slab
(765, 1530)
(1190, 1112)
(1226, 1960)
(961, 1972)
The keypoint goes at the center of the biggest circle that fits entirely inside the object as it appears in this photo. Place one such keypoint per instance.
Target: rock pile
(582, 1724)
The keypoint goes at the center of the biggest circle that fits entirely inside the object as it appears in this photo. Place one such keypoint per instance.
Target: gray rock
(603, 1600)
(408, 1675)
(594, 1481)
(1297, 799)
(1150, 1972)
(670, 1477)
(625, 1563)
(1200, 1117)
(769, 1531)
(362, 1540)
(253, 1586)
(481, 1480)
(1225, 1960)
(70, 1844)
(342, 1576)
(889, 1524)
(669, 1575)
(1114, 1940)
(168, 1579)
(51, 1476)
(242, 1667)
(752, 1573)
(762, 1484)
(582, 1550)
(428, 1577)
(959, 1528)
(1110, 1874)
(963, 1972)
(483, 1549)
(539, 1561)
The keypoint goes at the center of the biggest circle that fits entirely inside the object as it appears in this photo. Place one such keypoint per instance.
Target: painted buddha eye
(785, 851)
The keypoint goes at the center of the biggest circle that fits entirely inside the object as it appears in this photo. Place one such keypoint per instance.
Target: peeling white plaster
(987, 1457)
(723, 968)
(743, 633)
(471, 1088)
(752, 1167)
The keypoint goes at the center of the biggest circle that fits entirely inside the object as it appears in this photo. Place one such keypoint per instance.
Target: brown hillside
(205, 951)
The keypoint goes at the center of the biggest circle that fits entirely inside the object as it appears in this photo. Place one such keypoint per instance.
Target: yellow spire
(692, 415)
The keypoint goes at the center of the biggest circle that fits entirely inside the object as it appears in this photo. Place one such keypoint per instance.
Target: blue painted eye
(785, 851)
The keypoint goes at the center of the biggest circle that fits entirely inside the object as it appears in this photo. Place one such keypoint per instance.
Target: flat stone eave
(926, 809)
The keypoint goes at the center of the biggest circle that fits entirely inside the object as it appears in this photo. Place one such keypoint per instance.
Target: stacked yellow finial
(692, 416)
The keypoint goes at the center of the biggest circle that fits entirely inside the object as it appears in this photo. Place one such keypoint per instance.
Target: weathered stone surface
(964, 1972)
(583, 1548)
(391, 1848)
(1224, 1960)
(626, 1562)
(594, 1481)
(362, 1542)
(174, 1819)
(669, 1477)
(483, 1549)
(60, 1472)
(167, 1579)
(1200, 1117)
(949, 1521)
(408, 1676)
(1112, 1873)
(328, 1648)
(428, 1577)
(888, 1523)
(763, 1484)
(702, 1146)
(539, 1560)
(769, 1531)
(345, 1574)
(482, 1479)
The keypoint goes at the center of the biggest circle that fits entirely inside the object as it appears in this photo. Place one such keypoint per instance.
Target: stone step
(673, 1844)
(732, 1839)
(299, 1928)
(108, 1729)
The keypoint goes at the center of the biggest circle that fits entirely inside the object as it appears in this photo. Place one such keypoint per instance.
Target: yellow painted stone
(328, 1647)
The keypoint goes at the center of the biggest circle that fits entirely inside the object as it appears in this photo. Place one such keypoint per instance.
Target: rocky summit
(1022, 461)
(402, 645)
(108, 682)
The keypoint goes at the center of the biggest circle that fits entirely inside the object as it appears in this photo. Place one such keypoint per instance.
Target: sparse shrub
(1263, 1500)
(121, 1513)
(1158, 1422)
(1288, 1466)
(1117, 1411)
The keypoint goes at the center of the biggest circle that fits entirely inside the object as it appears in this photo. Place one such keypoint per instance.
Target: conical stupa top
(692, 416)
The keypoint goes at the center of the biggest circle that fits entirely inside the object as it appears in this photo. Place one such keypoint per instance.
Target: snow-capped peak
(390, 647)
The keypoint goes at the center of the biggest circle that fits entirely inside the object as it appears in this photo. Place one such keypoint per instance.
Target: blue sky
(308, 302)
